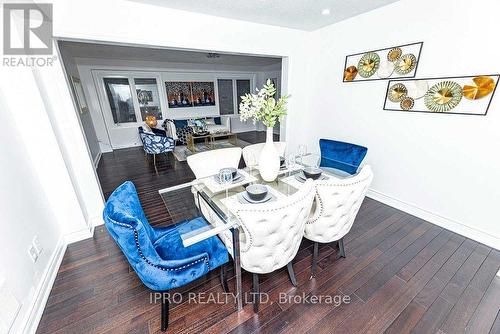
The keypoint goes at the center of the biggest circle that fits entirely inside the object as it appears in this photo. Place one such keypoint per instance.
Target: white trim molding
(43, 290)
(452, 225)
(97, 159)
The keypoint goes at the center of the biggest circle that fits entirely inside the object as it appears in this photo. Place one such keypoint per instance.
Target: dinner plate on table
(302, 178)
(243, 198)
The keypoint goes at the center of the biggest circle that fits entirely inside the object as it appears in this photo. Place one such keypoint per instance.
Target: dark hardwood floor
(402, 274)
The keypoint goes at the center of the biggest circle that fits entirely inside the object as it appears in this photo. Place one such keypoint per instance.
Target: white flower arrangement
(263, 106)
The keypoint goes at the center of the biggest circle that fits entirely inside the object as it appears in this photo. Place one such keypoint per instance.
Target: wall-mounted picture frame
(185, 94)
(400, 61)
(462, 95)
(79, 95)
(203, 93)
(179, 94)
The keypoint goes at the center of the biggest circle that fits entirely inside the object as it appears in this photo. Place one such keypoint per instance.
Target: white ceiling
(298, 14)
(106, 51)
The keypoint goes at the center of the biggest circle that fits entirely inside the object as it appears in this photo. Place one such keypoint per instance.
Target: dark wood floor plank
(406, 319)
(392, 268)
(461, 313)
(412, 267)
(394, 307)
(487, 311)
(439, 310)
(413, 230)
(396, 257)
(323, 285)
(495, 329)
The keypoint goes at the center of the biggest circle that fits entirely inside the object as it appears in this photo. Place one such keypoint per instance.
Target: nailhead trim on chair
(266, 210)
(321, 202)
(136, 238)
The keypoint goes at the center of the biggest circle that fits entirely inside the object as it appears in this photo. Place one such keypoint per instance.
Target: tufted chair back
(127, 224)
(210, 162)
(273, 231)
(255, 149)
(336, 206)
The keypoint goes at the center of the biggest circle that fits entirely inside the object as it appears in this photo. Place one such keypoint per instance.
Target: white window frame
(251, 77)
(99, 77)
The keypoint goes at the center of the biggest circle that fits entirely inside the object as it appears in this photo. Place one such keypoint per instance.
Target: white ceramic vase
(269, 160)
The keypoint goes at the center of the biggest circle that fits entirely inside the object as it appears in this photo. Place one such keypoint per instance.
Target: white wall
(25, 212)
(37, 197)
(441, 167)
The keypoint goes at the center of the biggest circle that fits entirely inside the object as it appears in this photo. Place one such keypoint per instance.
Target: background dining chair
(336, 206)
(208, 163)
(157, 254)
(341, 155)
(251, 153)
(272, 233)
(156, 143)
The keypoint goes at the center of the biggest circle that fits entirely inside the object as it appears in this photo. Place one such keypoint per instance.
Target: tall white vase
(269, 160)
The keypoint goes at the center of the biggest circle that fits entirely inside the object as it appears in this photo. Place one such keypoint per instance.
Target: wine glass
(302, 152)
(290, 162)
(252, 160)
(311, 160)
(226, 178)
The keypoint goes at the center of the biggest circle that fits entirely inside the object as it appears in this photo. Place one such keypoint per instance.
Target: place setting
(313, 173)
(255, 194)
(227, 178)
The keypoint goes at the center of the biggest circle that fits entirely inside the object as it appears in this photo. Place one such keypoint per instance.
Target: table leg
(237, 267)
(190, 143)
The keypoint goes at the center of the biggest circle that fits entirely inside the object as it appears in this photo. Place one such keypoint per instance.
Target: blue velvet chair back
(341, 155)
(129, 227)
(158, 255)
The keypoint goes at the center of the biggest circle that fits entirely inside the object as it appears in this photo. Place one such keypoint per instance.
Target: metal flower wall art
(394, 62)
(466, 95)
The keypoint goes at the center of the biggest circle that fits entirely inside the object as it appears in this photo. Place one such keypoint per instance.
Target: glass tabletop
(208, 198)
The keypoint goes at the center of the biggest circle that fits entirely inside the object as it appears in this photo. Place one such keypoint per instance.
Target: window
(230, 92)
(242, 88)
(148, 97)
(226, 104)
(120, 100)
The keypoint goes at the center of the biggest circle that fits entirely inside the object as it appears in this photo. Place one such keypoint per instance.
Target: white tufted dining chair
(251, 152)
(272, 233)
(336, 206)
(210, 162)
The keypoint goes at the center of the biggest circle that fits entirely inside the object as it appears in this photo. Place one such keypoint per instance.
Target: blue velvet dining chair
(156, 253)
(156, 143)
(341, 155)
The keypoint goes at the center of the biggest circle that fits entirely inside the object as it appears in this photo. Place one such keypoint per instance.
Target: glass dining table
(216, 202)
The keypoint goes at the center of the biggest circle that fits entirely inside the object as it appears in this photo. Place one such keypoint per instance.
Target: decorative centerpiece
(263, 107)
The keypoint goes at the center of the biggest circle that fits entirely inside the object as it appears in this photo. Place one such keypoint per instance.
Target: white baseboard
(452, 225)
(43, 290)
(97, 159)
(96, 221)
(79, 235)
(118, 147)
